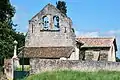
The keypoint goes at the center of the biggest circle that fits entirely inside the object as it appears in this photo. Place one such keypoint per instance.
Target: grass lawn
(76, 75)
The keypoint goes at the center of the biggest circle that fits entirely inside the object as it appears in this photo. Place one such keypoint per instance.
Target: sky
(91, 18)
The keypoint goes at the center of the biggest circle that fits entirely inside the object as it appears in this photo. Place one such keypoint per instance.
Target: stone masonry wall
(40, 65)
(97, 53)
(37, 37)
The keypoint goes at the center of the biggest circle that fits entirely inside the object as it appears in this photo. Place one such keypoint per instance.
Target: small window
(65, 30)
(89, 55)
(45, 22)
(103, 56)
(32, 28)
(56, 22)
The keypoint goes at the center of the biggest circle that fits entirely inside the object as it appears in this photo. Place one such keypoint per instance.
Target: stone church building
(51, 36)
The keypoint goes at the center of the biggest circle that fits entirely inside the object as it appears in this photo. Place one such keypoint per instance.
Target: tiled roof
(95, 42)
(47, 52)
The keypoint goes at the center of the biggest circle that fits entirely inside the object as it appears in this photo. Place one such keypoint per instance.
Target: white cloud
(90, 34)
(113, 32)
(77, 33)
(87, 34)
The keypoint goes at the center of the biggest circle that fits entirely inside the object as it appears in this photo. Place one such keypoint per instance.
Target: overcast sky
(91, 18)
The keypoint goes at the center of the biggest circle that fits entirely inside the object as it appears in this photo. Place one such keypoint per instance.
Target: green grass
(75, 75)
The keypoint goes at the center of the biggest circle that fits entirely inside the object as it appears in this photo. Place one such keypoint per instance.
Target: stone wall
(96, 54)
(8, 68)
(40, 65)
(37, 37)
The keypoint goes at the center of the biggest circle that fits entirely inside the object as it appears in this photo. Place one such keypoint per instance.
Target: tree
(20, 38)
(61, 5)
(117, 59)
(7, 11)
(7, 33)
(6, 40)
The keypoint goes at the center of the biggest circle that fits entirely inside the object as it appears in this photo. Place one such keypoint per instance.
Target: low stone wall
(40, 65)
(8, 68)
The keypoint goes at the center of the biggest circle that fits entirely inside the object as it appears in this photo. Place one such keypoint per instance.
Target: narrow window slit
(32, 28)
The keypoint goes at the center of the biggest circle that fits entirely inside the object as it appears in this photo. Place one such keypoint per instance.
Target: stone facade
(95, 54)
(50, 30)
(41, 65)
(97, 49)
(44, 31)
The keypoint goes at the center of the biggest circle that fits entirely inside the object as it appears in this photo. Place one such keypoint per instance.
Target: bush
(26, 68)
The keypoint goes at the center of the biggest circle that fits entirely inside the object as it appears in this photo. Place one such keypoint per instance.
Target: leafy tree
(61, 5)
(6, 40)
(7, 11)
(117, 59)
(7, 33)
(20, 38)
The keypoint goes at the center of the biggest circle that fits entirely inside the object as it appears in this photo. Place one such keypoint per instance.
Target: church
(51, 36)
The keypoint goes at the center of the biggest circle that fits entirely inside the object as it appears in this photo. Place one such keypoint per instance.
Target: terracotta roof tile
(95, 42)
(47, 52)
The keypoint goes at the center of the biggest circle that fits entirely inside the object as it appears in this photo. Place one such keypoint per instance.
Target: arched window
(45, 22)
(56, 22)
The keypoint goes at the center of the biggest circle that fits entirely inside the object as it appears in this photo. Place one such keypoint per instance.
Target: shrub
(26, 68)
